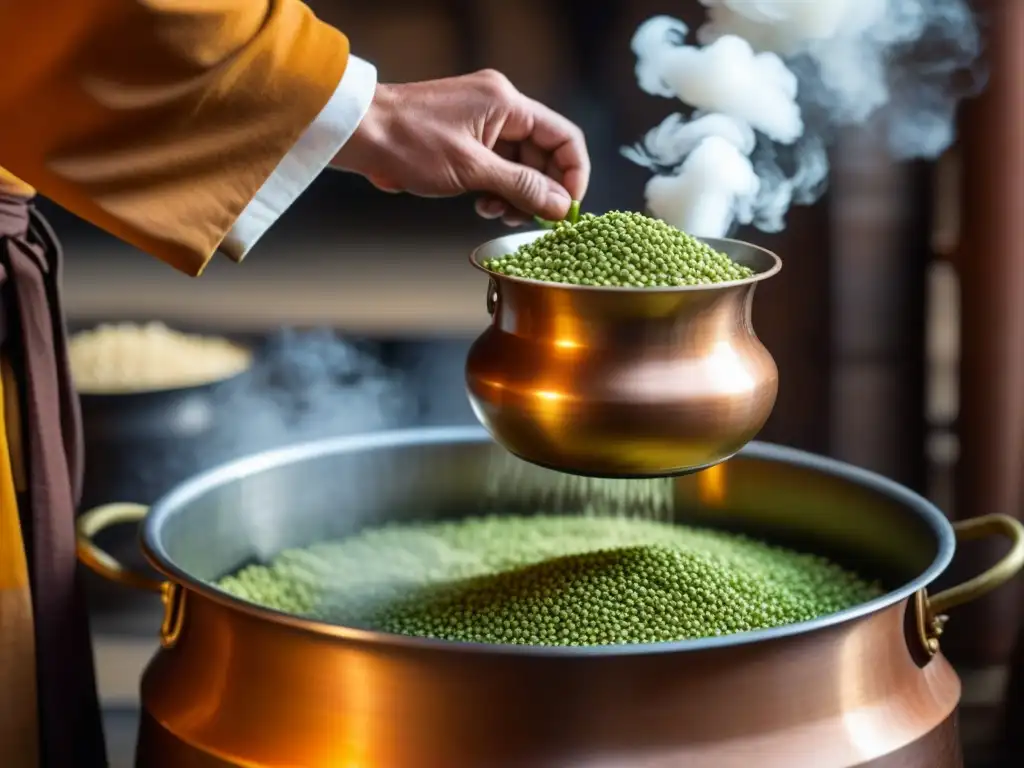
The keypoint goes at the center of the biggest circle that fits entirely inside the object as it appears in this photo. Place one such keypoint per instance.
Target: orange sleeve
(159, 120)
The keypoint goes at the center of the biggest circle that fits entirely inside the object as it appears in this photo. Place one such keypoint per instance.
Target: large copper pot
(237, 685)
(622, 382)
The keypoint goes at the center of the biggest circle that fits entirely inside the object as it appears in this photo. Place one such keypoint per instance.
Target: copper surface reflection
(622, 382)
(711, 485)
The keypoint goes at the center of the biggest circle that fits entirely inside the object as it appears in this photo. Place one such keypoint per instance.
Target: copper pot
(238, 685)
(622, 382)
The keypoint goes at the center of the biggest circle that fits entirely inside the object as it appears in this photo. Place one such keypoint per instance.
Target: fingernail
(490, 209)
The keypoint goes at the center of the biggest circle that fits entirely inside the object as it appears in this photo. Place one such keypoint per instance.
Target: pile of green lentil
(619, 249)
(551, 580)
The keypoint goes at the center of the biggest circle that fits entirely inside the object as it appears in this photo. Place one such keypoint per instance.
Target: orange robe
(160, 120)
(185, 128)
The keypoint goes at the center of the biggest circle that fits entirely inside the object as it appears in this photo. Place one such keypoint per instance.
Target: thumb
(523, 187)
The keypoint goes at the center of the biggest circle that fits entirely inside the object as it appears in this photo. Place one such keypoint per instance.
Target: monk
(186, 128)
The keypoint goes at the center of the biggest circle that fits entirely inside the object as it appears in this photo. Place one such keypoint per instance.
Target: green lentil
(572, 217)
(551, 580)
(619, 249)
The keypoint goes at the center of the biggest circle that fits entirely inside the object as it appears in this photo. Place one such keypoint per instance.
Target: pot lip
(520, 238)
(238, 469)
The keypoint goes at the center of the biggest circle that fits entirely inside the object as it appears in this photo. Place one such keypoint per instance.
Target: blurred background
(897, 324)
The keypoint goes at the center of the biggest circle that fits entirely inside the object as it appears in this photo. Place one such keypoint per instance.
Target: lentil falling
(564, 580)
(619, 249)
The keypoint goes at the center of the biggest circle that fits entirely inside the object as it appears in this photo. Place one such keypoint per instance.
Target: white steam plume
(771, 81)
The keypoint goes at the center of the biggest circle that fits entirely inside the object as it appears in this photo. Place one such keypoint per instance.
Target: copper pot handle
(95, 520)
(932, 610)
(90, 523)
(492, 296)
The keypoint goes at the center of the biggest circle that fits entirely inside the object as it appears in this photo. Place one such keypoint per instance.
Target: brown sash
(71, 733)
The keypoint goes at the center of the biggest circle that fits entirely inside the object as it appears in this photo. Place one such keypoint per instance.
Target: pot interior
(252, 509)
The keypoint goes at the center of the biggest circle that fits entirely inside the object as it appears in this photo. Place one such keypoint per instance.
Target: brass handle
(172, 595)
(492, 296)
(95, 520)
(997, 575)
(932, 610)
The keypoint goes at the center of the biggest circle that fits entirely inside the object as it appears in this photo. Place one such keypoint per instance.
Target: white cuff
(305, 161)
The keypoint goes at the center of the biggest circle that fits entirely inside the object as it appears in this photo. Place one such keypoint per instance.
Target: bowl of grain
(621, 347)
(131, 359)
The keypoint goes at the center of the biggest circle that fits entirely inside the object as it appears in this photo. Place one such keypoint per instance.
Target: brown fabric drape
(36, 344)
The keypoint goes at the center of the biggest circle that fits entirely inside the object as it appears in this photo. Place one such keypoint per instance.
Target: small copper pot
(622, 382)
(239, 685)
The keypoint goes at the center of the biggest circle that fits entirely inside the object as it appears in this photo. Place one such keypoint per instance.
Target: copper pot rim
(166, 507)
(520, 238)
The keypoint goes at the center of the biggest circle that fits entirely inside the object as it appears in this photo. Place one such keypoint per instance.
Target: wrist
(359, 154)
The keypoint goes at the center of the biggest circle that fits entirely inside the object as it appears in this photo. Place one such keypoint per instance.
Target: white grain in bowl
(129, 357)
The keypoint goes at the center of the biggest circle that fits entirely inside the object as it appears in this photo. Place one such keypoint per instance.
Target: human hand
(473, 133)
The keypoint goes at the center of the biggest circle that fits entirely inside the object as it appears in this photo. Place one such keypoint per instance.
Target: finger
(494, 208)
(535, 157)
(510, 150)
(556, 134)
(523, 187)
(526, 153)
(515, 219)
(385, 184)
(488, 207)
(507, 149)
(556, 173)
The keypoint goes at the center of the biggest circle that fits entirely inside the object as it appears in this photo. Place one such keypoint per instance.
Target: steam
(304, 385)
(725, 76)
(312, 384)
(769, 84)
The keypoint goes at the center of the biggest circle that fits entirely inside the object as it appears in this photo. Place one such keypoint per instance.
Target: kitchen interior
(895, 323)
